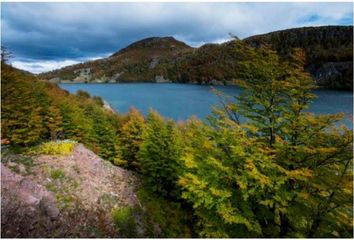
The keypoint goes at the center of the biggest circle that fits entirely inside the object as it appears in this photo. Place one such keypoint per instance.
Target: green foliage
(34, 111)
(98, 100)
(22, 114)
(131, 138)
(283, 173)
(54, 121)
(226, 172)
(123, 219)
(82, 94)
(323, 46)
(159, 155)
(103, 136)
(163, 218)
(53, 148)
(57, 174)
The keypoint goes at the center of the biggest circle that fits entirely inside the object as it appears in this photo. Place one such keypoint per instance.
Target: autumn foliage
(261, 166)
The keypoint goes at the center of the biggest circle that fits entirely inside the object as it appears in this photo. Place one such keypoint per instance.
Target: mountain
(155, 45)
(329, 53)
(135, 63)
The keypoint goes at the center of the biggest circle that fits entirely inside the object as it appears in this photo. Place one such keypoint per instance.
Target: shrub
(83, 94)
(163, 218)
(123, 219)
(54, 148)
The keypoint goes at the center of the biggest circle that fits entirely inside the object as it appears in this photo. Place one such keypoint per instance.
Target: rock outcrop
(25, 206)
(64, 196)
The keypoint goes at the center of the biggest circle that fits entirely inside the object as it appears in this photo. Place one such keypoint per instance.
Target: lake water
(180, 101)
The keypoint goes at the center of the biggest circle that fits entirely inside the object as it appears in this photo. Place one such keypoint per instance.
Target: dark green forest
(283, 173)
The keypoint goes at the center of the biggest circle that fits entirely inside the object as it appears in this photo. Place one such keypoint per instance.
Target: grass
(64, 187)
(123, 219)
(57, 174)
(15, 156)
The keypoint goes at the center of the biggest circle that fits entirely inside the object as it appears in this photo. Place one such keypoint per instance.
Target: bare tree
(5, 54)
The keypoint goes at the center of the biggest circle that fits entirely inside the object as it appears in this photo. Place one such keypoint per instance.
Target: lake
(181, 101)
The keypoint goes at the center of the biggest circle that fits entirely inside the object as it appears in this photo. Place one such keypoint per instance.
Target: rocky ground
(63, 196)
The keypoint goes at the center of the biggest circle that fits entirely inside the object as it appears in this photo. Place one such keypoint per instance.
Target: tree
(22, 115)
(295, 167)
(264, 80)
(54, 122)
(5, 54)
(76, 125)
(159, 155)
(102, 135)
(130, 136)
(231, 180)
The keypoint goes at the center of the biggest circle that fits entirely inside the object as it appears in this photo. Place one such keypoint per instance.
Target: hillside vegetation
(328, 50)
(284, 172)
(135, 63)
(40, 126)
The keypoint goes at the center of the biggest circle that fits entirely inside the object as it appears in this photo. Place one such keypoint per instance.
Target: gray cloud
(53, 34)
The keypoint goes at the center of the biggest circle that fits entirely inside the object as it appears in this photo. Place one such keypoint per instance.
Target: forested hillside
(328, 50)
(283, 173)
(135, 63)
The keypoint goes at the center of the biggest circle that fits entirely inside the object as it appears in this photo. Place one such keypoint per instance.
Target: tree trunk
(284, 225)
(314, 227)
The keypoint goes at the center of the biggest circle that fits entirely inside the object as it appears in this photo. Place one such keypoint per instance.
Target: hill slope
(71, 193)
(328, 49)
(135, 63)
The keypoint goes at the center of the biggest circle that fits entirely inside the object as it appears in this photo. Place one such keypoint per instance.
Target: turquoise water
(180, 101)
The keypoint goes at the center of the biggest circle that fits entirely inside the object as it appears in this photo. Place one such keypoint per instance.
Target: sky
(46, 36)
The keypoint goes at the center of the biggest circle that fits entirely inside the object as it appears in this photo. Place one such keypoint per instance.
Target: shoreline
(186, 83)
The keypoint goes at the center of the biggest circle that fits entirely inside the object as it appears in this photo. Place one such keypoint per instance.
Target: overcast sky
(45, 36)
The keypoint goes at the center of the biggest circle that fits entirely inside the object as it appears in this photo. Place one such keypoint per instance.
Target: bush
(54, 148)
(163, 218)
(123, 219)
(83, 94)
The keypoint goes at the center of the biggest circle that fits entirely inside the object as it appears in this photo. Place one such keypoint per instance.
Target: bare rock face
(333, 74)
(64, 196)
(161, 79)
(154, 62)
(25, 207)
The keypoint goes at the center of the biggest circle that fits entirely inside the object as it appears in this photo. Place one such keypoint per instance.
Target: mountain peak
(155, 43)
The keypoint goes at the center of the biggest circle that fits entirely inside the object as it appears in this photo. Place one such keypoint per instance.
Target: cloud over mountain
(43, 36)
